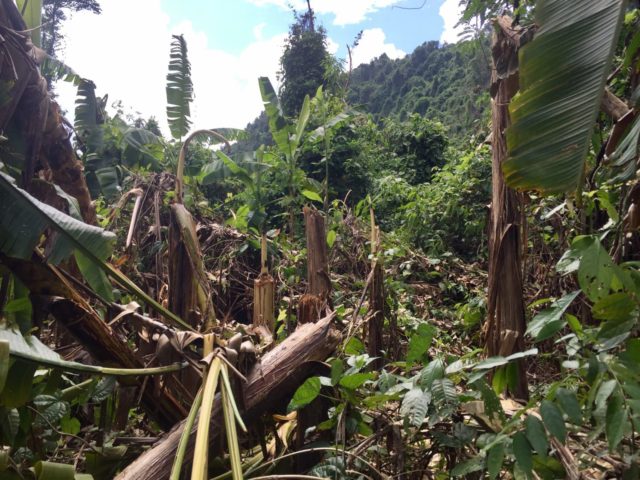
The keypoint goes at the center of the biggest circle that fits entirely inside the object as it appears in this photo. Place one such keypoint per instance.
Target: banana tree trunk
(505, 327)
(34, 116)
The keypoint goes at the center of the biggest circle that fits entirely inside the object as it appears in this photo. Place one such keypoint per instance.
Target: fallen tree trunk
(269, 383)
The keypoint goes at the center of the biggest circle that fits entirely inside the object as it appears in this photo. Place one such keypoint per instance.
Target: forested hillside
(447, 83)
(426, 268)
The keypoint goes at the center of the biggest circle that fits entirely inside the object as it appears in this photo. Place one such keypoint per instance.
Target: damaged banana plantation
(425, 267)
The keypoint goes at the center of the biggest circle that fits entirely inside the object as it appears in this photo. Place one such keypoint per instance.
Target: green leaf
(279, 127)
(19, 383)
(331, 238)
(536, 435)
(415, 405)
(305, 394)
(518, 355)
(420, 342)
(179, 88)
(444, 392)
(433, 371)
(301, 124)
(103, 389)
(500, 380)
(87, 113)
(495, 458)
(51, 410)
(596, 271)
(70, 425)
(616, 420)
(623, 160)
(95, 276)
(31, 11)
(569, 404)
(463, 469)
(548, 468)
(356, 380)
(617, 306)
(242, 174)
(311, 195)
(337, 369)
(491, 362)
(552, 418)
(522, 452)
(23, 219)
(562, 76)
(354, 346)
(549, 321)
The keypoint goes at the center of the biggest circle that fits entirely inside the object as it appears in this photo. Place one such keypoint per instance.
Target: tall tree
(55, 13)
(303, 62)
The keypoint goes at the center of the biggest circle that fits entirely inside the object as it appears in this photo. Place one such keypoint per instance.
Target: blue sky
(406, 29)
(231, 43)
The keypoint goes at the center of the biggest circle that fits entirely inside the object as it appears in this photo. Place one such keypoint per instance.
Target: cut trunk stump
(263, 295)
(270, 384)
(314, 302)
(506, 324)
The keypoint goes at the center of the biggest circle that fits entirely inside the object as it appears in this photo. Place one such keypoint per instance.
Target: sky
(125, 50)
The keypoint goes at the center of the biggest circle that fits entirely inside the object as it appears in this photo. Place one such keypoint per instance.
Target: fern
(179, 89)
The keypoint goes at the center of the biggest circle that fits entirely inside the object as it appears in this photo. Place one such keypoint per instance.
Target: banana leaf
(625, 157)
(562, 78)
(31, 349)
(31, 11)
(179, 88)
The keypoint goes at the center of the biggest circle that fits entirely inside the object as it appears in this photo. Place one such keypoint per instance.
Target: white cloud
(258, 29)
(131, 65)
(451, 11)
(332, 47)
(346, 12)
(372, 45)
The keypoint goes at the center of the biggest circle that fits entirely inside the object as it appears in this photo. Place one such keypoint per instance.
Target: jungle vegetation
(417, 268)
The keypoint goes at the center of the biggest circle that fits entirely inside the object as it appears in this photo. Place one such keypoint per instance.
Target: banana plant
(287, 136)
(109, 146)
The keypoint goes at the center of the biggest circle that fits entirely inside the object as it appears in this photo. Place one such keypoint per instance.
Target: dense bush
(447, 214)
